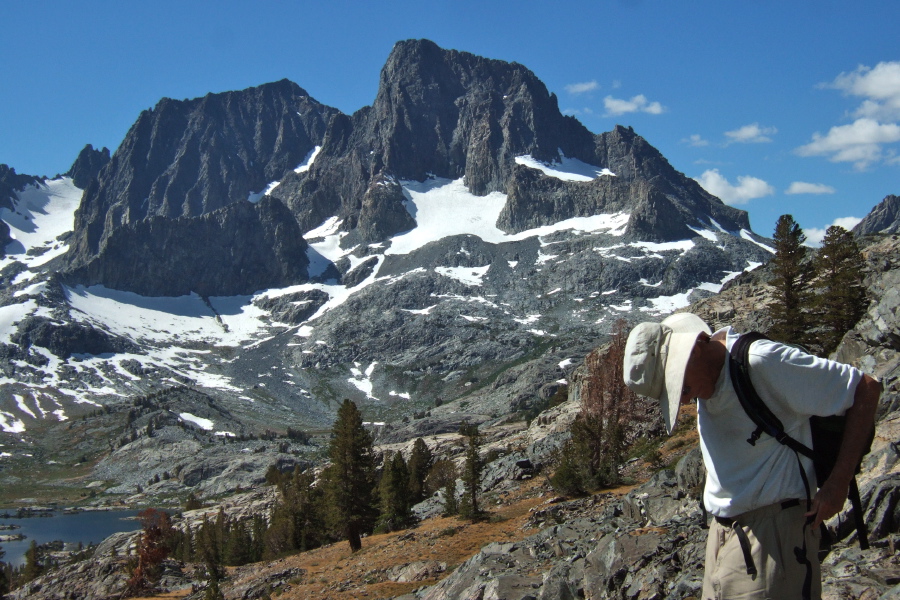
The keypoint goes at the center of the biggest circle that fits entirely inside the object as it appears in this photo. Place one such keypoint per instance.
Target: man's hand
(829, 501)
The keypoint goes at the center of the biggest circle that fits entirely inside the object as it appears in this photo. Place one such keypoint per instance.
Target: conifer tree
(298, 521)
(350, 478)
(793, 274)
(442, 476)
(471, 475)
(841, 302)
(420, 461)
(32, 568)
(208, 549)
(596, 451)
(152, 549)
(186, 545)
(395, 495)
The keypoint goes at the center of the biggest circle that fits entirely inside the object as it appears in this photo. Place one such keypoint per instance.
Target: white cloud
(859, 142)
(747, 187)
(814, 235)
(802, 187)
(695, 140)
(639, 103)
(581, 88)
(750, 134)
(879, 86)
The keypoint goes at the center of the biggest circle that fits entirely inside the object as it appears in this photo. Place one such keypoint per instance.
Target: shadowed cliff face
(185, 160)
(241, 248)
(11, 182)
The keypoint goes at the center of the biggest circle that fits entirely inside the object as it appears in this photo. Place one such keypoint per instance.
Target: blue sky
(775, 106)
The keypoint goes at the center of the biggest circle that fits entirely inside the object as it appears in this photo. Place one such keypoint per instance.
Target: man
(763, 517)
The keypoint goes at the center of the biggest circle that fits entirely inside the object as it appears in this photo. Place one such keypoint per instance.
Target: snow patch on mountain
(308, 161)
(567, 169)
(40, 214)
(224, 321)
(443, 207)
(467, 275)
(748, 235)
(10, 424)
(200, 422)
(362, 380)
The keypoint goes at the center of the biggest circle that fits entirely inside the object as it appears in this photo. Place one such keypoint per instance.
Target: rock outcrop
(438, 113)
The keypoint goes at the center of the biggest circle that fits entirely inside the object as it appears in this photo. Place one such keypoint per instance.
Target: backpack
(827, 432)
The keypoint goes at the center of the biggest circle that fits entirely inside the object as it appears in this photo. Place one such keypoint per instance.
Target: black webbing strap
(800, 552)
(745, 548)
(744, 541)
(861, 531)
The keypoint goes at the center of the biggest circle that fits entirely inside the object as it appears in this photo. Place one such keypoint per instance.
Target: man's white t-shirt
(794, 385)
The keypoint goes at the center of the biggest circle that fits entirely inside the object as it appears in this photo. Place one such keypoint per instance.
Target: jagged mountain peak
(455, 114)
(884, 218)
(88, 165)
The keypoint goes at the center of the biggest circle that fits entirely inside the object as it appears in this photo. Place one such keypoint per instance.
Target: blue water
(85, 527)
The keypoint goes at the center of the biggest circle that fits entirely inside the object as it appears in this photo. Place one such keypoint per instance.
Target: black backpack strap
(861, 532)
(764, 419)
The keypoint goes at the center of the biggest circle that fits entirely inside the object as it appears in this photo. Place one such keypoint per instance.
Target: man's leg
(775, 541)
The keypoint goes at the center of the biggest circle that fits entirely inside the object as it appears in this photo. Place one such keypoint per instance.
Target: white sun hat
(656, 356)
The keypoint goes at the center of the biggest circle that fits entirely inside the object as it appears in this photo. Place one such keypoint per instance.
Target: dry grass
(333, 572)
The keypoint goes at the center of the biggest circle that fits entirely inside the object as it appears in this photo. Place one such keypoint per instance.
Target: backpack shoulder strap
(764, 419)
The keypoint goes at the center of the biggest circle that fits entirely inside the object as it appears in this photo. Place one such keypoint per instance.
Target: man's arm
(829, 500)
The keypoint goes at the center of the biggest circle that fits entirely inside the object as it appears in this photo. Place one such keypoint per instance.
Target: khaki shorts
(774, 539)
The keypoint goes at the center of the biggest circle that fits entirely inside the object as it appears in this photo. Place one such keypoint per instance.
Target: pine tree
(152, 549)
(442, 476)
(471, 475)
(298, 521)
(350, 478)
(186, 546)
(192, 502)
(793, 274)
(395, 495)
(596, 451)
(208, 549)
(32, 568)
(420, 461)
(842, 296)
(259, 531)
